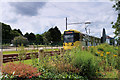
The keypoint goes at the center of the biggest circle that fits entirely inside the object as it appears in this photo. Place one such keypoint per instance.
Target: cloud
(39, 19)
(27, 8)
(56, 0)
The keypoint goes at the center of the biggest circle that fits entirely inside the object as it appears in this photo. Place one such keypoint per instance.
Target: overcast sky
(38, 17)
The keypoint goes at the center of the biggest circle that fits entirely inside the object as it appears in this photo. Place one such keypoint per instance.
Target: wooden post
(40, 55)
(1, 55)
(61, 51)
(1, 61)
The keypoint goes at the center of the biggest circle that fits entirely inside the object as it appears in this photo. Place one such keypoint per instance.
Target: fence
(14, 57)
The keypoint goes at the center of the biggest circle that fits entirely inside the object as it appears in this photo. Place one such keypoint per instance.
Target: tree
(20, 40)
(14, 34)
(26, 35)
(57, 35)
(116, 25)
(39, 39)
(53, 35)
(31, 37)
(6, 36)
(19, 31)
(45, 36)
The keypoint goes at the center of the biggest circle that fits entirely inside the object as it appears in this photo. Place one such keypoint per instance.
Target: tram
(73, 38)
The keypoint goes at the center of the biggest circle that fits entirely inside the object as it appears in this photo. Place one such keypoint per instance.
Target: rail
(14, 57)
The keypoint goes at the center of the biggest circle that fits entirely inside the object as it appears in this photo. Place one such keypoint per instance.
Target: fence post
(40, 55)
(62, 51)
(1, 61)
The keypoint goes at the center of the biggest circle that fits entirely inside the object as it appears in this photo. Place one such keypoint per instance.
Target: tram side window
(76, 36)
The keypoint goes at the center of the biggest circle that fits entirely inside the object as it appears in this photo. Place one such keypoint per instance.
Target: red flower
(20, 69)
(30, 76)
(19, 75)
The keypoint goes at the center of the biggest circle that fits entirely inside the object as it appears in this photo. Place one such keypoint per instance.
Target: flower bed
(19, 70)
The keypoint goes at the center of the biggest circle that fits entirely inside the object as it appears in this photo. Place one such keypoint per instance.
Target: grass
(17, 52)
(110, 74)
(29, 61)
(10, 52)
(51, 49)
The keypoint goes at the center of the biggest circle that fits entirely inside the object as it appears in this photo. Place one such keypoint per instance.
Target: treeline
(52, 36)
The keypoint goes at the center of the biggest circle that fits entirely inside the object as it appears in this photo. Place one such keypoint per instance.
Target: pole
(66, 23)
(1, 55)
(89, 31)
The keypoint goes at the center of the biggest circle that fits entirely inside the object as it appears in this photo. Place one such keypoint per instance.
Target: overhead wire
(70, 14)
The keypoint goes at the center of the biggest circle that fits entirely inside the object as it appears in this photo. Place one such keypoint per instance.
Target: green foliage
(53, 35)
(50, 72)
(113, 74)
(45, 37)
(110, 60)
(19, 31)
(34, 60)
(31, 37)
(62, 64)
(39, 39)
(78, 64)
(22, 53)
(26, 35)
(14, 34)
(116, 25)
(107, 53)
(118, 63)
(85, 61)
(8, 34)
(33, 57)
(105, 48)
(20, 40)
(5, 46)
(58, 66)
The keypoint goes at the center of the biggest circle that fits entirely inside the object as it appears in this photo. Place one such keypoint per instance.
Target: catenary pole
(66, 23)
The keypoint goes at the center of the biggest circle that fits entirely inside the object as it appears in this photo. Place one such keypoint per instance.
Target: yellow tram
(73, 38)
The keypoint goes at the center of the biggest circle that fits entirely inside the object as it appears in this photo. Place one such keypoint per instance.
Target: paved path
(14, 48)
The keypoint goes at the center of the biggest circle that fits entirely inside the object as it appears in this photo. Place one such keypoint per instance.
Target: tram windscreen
(68, 38)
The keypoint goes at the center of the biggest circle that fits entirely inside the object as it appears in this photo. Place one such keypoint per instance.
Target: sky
(39, 16)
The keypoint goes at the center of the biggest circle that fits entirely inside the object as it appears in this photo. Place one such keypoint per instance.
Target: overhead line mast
(66, 23)
(79, 23)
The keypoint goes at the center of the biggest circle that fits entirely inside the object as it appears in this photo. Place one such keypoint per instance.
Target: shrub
(107, 48)
(19, 70)
(85, 61)
(22, 53)
(63, 64)
(108, 53)
(47, 73)
(20, 40)
(104, 48)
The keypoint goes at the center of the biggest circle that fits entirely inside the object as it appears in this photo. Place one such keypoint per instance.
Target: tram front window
(68, 38)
